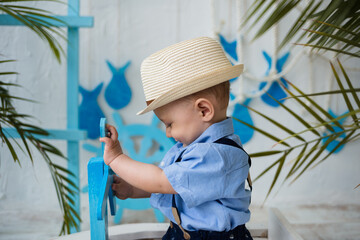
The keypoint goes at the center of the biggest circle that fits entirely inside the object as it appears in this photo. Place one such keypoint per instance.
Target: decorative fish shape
(332, 145)
(229, 47)
(275, 89)
(241, 112)
(118, 93)
(90, 112)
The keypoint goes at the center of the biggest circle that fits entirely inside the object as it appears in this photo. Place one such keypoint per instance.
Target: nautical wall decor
(333, 145)
(90, 112)
(118, 93)
(275, 89)
(242, 112)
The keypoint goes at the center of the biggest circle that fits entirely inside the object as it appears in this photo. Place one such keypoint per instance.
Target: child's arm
(143, 176)
(124, 190)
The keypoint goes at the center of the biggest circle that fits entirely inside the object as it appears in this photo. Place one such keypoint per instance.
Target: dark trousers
(238, 233)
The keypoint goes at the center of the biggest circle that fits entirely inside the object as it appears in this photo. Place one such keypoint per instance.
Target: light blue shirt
(209, 180)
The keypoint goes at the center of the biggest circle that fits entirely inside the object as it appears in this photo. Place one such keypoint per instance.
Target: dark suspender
(230, 142)
(225, 141)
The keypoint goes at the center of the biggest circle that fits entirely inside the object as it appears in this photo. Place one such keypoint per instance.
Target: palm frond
(282, 9)
(263, 132)
(28, 133)
(39, 21)
(352, 91)
(337, 22)
(311, 150)
(280, 164)
(276, 123)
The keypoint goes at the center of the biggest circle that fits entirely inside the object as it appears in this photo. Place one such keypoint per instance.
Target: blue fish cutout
(275, 89)
(118, 93)
(333, 144)
(90, 112)
(242, 113)
(229, 47)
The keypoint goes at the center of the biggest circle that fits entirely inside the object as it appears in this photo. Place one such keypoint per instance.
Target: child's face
(182, 120)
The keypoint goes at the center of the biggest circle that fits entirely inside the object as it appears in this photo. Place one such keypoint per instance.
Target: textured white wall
(131, 30)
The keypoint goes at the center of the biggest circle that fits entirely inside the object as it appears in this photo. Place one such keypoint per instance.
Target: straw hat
(183, 69)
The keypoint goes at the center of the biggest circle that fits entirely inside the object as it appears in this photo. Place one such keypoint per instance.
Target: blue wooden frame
(100, 179)
(98, 227)
(72, 134)
(69, 21)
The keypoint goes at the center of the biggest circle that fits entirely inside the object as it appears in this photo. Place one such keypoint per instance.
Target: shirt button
(231, 236)
(162, 164)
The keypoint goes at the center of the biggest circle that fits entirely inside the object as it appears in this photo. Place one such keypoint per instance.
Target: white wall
(131, 30)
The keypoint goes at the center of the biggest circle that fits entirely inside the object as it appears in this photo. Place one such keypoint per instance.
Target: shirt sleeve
(205, 173)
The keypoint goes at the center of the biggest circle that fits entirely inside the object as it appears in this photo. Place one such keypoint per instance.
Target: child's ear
(205, 109)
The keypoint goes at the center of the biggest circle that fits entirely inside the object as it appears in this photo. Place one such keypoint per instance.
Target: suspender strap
(177, 218)
(225, 141)
(175, 211)
(230, 142)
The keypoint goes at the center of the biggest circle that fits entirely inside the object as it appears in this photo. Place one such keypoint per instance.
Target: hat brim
(196, 84)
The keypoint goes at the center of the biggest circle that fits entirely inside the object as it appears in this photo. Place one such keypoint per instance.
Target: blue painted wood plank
(72, 112)
(74, 7)
(54, 134)
(106, 191)
(98, 228)
(67, 21)
(73, 102)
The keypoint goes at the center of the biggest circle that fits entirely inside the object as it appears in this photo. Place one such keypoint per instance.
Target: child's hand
(112, 145)
(121, 189)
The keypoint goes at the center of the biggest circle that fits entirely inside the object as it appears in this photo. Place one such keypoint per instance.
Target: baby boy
(200, 183)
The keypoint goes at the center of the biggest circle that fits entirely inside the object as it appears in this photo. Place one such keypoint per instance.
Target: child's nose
(168, 133)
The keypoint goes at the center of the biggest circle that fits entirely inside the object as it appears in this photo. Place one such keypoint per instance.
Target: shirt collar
(214, 132)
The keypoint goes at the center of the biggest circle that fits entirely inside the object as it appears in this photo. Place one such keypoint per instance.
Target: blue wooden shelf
(68, 21)
(55, 134)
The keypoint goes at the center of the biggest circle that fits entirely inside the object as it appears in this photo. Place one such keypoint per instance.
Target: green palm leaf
(263, 132)
(10, 118)
(317, 154)
(333, 27)
(322, 124)
(342, 142)
(277, 174)
(309, 109)
(266, 153)
(283, 8)
(356, 54)
(297, 161)
(353, 92)
(276, 123)
(306, 156)
(36, 20)
(296, 116)
(299, 23)
(312, 157)
(329, 25)
(346, 98)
